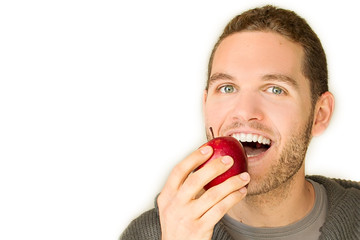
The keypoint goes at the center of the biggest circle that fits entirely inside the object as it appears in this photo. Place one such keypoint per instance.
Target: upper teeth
(248, 137)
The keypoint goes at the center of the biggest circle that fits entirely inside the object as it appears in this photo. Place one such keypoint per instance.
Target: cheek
(287, 118)
(215, 114)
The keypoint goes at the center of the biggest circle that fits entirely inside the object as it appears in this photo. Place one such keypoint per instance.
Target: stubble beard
(278, 179)
(280, 175)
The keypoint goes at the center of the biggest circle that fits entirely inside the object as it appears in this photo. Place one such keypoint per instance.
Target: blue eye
(275, 90)
(227, 89)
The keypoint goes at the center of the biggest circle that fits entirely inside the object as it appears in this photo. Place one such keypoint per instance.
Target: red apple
(226, 146)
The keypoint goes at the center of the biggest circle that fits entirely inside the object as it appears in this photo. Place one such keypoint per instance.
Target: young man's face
(257, 93)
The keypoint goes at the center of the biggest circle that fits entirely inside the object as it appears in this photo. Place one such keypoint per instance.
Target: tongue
(251, 152)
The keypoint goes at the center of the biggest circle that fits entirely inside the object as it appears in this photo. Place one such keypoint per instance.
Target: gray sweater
(342, 221)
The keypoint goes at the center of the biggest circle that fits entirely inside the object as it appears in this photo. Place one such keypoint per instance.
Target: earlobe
(323, 112)
(204, 101)
(204, 97)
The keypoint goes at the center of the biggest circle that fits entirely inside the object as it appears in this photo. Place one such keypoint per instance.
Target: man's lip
(257, 158)
(230, 133)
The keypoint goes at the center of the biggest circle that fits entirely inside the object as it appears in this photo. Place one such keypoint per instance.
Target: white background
(100, 99)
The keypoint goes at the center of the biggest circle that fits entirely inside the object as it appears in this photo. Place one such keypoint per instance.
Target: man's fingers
(182, 170)
(219, 199)
(196, 181)
(214, 214)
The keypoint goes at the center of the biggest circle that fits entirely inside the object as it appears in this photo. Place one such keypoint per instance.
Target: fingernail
(226, 160)
(244, 176)
(243, 190)
(205, 150)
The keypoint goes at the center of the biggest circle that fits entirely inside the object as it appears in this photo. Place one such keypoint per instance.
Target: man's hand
(186, 211)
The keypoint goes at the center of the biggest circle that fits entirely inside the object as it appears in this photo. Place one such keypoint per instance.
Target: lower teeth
(251, 152)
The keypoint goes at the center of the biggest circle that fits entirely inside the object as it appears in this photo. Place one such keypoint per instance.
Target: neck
(282, 206)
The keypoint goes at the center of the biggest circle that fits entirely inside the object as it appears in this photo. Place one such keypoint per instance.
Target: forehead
(249, 54)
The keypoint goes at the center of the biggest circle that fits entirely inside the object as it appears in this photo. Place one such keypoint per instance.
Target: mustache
(252, 125)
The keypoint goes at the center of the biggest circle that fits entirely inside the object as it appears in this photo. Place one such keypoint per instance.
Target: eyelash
(222, 87)
(271, 90)
(268, 89)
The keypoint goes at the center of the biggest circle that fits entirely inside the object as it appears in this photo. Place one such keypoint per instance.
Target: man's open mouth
(254, 144)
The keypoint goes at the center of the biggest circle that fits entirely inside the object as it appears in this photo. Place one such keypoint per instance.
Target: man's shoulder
(335, 182)
(146, 226)
(339, 189)
(342, 220)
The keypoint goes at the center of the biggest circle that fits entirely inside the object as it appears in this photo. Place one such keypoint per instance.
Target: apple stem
(212, 132)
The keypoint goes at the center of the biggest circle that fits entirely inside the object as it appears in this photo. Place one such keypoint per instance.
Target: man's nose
(247, 107)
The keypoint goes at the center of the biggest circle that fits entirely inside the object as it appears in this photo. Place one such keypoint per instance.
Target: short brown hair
(290, 25)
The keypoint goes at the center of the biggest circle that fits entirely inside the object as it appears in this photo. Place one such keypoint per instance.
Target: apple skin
(226, 146)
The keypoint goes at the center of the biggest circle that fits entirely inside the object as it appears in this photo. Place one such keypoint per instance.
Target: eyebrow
(281, 78)
(220, 76)
(268, 77)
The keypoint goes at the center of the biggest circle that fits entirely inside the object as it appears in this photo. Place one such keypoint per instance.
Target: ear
(324, 109)
(204, 97)
(204, 101)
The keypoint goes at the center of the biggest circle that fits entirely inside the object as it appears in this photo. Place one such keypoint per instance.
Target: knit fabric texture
(342, 221)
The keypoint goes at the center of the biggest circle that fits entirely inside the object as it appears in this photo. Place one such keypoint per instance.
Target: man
(267, 87)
